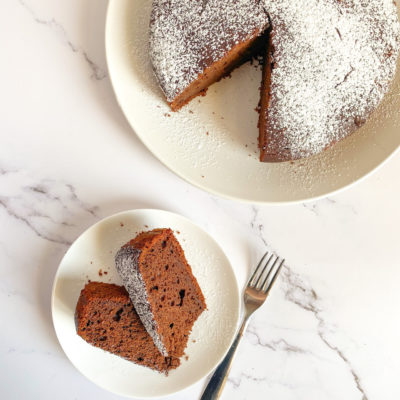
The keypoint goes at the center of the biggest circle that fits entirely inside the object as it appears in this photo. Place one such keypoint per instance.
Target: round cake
(327, 63)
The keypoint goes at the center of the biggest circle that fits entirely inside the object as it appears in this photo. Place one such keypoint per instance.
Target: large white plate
(212, 142)
(212, 333)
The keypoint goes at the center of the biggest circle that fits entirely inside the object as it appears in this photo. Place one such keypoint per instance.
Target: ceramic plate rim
(235, 284)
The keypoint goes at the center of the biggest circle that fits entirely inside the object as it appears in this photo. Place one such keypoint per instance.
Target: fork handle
(217, 382)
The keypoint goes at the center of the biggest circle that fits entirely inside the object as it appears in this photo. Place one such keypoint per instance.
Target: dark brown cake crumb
(169, 288)
(105, 318)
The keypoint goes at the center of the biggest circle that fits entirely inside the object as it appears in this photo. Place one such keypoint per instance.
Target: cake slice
(105, 318)
(162, 288)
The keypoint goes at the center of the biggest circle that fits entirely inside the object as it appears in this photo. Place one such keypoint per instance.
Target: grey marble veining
(304, 296)
(50, 209)
(98, 73)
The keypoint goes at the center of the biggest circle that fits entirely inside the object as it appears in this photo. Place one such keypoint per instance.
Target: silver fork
(256, 292)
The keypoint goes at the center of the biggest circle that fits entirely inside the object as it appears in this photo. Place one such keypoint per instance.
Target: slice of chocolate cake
(162, 288)
(105, 318)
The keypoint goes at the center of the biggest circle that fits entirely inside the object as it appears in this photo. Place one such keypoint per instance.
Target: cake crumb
(146, 226)
(190, 112)
(194, 340)
(105, 272)
(186, 358)
(91, 262)
(167, 114)
(121, 224)
(100, 272)
(178, 232)
(207, 133)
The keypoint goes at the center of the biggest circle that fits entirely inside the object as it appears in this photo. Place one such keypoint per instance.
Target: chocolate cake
(105, 318)
(195, 43)
(162, 288)
(327, 63)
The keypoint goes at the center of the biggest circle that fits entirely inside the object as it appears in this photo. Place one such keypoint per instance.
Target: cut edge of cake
(234, 58)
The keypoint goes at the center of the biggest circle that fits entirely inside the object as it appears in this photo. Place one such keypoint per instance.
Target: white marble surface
(68, 158)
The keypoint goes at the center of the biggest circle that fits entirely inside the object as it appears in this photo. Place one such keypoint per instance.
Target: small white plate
(212, 142)
(212, 333)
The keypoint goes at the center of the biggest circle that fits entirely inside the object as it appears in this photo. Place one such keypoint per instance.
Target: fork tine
(252, 278)
(267, 287)
(264, 269)
(269, 272)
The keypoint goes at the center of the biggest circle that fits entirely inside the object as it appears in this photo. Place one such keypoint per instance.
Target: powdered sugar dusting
(126, 262)
(333, 63)
(333, 60)
(187, 36)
